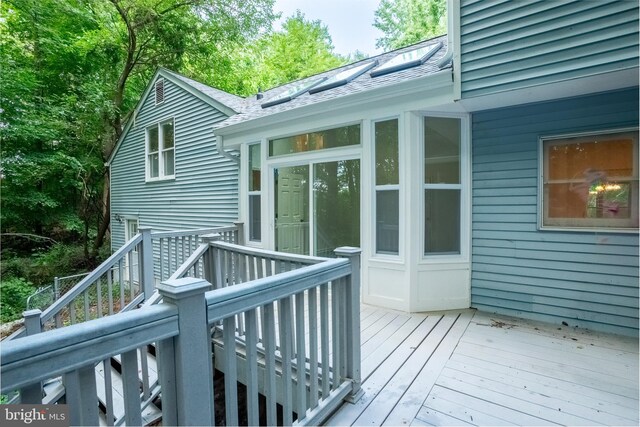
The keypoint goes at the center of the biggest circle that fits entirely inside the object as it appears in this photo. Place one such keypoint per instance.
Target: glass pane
(167, 134)
(336, 188)
(153, 166)
(331, 138)
(387, 221)
(168, 162)
(255, 232)
(599, 200)
(590, 160)
(292, 209)
(441, 150)
(254, 167)
(152, 135)
(387, 152)
(442, 222)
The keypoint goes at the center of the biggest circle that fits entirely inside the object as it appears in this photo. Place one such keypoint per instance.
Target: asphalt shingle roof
(234, 102)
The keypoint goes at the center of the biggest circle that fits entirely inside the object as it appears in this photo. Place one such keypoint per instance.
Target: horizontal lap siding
(205, 190)
(509, 45)
(586, 279)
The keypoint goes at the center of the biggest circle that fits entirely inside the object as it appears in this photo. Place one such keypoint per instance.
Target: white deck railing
(297, 332)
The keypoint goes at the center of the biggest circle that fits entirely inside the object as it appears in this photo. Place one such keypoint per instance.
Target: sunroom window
(387, 187)
(255, 186)
(442, 185)
(320, 140)
(590, 181)
(160, 151)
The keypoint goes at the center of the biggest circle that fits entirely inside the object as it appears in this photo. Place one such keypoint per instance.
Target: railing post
(32, 326)
(240, 227)
(208, 264)
(192, 363)
(146, 264)
(352, 327)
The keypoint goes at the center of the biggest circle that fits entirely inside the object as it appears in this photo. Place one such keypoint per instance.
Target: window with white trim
(387, 187)
(161, 151)
(442, 185)
(255, 194)
(590, 181)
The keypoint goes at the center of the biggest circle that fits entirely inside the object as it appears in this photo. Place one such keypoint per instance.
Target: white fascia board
(412, 94)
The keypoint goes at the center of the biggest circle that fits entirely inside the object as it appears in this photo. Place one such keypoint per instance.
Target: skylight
(344, 77)
(292, 92)
(406, 60)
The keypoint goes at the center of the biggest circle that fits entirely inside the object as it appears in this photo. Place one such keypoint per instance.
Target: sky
(350, 22)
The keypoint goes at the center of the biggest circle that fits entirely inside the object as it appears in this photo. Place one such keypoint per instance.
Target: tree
(405, 22)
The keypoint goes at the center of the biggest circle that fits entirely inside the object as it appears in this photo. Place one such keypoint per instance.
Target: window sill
(596, 230)
(161, 179)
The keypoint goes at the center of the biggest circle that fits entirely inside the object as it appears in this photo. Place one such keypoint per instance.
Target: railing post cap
(212, 237)
(32, 313)
(181, 288)
(144, 228)
(238, 222)
(347, 251)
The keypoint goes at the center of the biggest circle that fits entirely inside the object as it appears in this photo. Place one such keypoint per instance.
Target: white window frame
(386, 187)
(254, 192)
(161, 151)
(588, 225)
(464, 187)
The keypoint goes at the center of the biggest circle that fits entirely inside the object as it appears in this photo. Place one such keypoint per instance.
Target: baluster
(110, 289)
(231, 371)
(301, 359)
(185, 252)
(285, 351)
(131, 275)
(251, 264)
(72, 312)
(269, 340)
(176, 258)
(99, 297)
(313, 347)
(108, 391)
(144, 368)
(268, 267)
(81, 396)
(161, 244)
(121, 282)
(252, 367)
(229, 272)
(86, 305)
(335, 335)
(131, 385)
(259, 268)
(324, 337)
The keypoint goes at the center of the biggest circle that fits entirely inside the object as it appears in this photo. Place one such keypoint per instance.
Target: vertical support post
(208, 261)
(192, 349)
(32, 393)
(146, 264)
(352, 326)
(240, 226)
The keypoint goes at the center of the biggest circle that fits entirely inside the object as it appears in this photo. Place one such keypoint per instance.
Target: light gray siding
(204, 192)
(509, 45)
(584, 278)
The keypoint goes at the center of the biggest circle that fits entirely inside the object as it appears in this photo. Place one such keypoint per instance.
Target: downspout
(223, 152)
(450, 31)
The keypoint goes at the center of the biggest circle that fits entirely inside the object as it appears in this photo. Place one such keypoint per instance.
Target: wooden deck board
(491, 370)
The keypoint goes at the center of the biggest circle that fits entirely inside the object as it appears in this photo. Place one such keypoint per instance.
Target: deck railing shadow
(285, 326)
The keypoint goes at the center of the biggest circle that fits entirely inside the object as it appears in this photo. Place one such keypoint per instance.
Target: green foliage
(405, 22)
(13, 298)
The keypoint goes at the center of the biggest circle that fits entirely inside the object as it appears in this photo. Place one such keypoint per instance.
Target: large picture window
(160, 151)
(320, 140)
(590, 181)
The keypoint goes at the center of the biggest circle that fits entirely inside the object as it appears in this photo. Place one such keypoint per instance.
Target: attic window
(159, 91)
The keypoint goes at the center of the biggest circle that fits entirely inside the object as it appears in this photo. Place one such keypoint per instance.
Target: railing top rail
(89, 279)
(190, 262)
(280, 256)
(198, 231)
(73, 276)
(55, 352)
(225, 302)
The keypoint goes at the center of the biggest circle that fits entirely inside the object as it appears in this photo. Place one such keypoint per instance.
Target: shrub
(13, 298)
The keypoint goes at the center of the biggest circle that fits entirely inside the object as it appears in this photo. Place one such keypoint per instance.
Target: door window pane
(337, 206)
(330, 138)
(442, 222)
(387, 221)
(387, 152)
(292, 209)
(442, 150)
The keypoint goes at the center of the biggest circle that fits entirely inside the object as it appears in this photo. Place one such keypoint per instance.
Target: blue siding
(205, 190)
(586, 279)
(508, 45)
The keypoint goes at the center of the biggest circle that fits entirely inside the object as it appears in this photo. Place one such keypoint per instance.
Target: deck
(472, 368)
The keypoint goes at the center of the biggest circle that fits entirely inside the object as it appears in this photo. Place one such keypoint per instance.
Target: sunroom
(380, 162)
